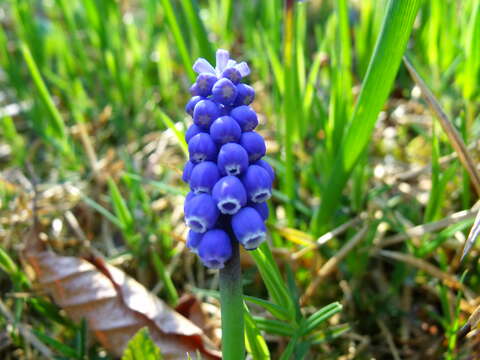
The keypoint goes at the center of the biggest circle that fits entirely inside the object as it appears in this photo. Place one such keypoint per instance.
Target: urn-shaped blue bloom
(187, 171)
(202, 148)
(215, 249)
(232, 159)
(248, 227)
(224, 92)
(203, 177)
(232, 74)
(245, 116)
(262, 209)
(201, 213)
(267, 167)
(245, 95)
(191, 104)
(225, 129)
(192, 131)
(229, 194)
(187, 202)
(254, 144)
(193, 240)
(194, 90)
(205, 112)
(258, 184)
(205, 82)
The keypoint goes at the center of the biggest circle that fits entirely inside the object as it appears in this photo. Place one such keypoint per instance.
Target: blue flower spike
(202, 148)
(232, 159)
(229, 194)
(249, 228)
(203, 177)
(215, 249)
(224, 130)
(228, 179)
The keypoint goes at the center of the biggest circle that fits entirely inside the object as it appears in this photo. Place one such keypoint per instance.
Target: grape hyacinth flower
(228, 178)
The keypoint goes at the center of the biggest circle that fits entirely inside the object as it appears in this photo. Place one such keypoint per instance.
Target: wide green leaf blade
(383, 67)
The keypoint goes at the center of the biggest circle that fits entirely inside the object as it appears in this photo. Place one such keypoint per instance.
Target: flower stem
(233, 346)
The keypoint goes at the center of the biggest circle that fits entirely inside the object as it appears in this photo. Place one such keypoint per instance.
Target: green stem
(233, 346)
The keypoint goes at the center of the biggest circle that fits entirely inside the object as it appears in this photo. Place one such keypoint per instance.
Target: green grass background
(92, 94)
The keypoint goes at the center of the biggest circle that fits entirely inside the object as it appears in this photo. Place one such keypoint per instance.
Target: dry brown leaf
(205, 316)
(115, 305)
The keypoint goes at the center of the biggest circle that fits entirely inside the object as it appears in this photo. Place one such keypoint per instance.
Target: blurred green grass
(91, 98)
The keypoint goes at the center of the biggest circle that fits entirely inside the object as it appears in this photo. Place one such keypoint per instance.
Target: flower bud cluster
(228, 179)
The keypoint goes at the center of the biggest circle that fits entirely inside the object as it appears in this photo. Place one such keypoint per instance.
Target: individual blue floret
(245, 95)
(204, 113)
(229, 194)
(224, 92)
(201, 147)
(194, 90)
(224, 130)
(215, 249)
(205, 82)
(188, 199)
(245, 116)
(258, 184)
(191, 104)
(232, 159)
(192, 131)
(232, 74)
(193, 240)
(254, 144)
(201, 213)
(187, 171)
(203, 177)
(248, 227)
(267, 167)
(262, 209)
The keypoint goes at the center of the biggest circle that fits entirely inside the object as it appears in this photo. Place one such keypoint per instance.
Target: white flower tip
(243, 69)
(222, 59)
(231, 63)
(203, 66)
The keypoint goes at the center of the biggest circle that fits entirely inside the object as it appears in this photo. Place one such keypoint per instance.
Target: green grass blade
(120, 207)
(381, 73)
(254, 342)
(165, 276)
(180, 42)
(165, 120)
(56, 122)
(190, 8)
